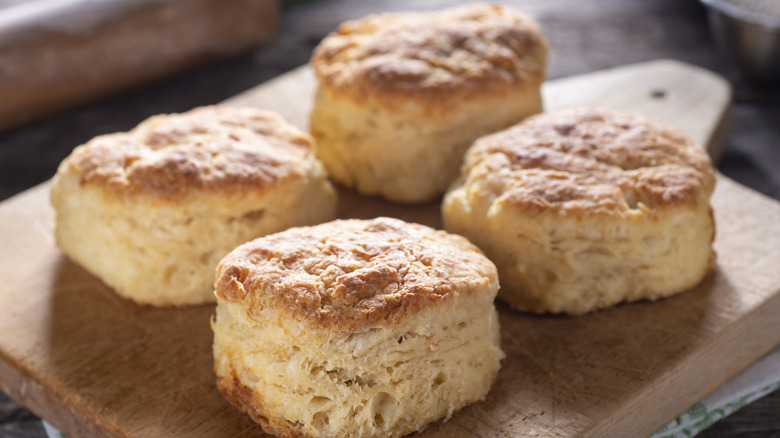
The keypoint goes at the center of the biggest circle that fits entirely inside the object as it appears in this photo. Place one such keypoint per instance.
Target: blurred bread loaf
(57, 54)
(401, 96)
(586, 208)
(355, 328)
(151, 211)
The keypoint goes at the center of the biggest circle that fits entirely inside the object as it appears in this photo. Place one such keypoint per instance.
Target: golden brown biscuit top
(590, 160)
(349, 274)
(448, 55)
(206, 149)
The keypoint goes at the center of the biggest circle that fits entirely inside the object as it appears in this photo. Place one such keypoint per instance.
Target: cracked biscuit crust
(349, 274)
(173, 157)
(432, 59)
(590, 161)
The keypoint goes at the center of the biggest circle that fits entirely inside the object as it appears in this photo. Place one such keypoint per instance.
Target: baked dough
(152, 211)
(586, 208)
(355, 328)
(401, 96)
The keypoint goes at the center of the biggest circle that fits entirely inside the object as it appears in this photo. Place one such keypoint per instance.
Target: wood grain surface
(95, 364)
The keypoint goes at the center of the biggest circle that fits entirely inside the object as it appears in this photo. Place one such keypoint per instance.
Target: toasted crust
(590, 161)
(349, 274)
(422, 62)
(178, 156)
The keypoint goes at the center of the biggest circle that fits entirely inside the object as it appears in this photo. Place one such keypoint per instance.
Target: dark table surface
(584, 36)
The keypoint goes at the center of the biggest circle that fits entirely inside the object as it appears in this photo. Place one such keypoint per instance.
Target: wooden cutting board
(94, 364)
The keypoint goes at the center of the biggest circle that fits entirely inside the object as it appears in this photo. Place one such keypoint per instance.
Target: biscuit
(153, 210)
(586, 208)
(402, 96)
(355, 328)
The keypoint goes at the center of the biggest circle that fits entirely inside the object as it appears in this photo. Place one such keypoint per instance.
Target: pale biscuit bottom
(165, 254)
(560, 264)
(401, 157)
(384, 381)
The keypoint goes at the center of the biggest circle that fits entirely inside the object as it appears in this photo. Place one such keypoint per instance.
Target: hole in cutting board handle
(658, 93)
